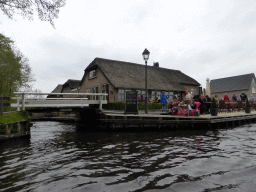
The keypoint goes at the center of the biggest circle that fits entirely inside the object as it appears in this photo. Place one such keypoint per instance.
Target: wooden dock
(114, 120)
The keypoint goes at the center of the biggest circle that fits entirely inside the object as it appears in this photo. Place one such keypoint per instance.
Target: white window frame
(105, 97)
(121, 94)
(92, 74)
(253, 89)
(95, 90)
(193, 92)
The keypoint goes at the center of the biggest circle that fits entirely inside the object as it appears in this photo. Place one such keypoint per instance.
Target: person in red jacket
(226, 98)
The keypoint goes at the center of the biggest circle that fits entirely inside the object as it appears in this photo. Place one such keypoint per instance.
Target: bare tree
(47, 10)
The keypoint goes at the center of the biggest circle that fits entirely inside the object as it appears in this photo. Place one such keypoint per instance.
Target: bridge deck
(58, 103)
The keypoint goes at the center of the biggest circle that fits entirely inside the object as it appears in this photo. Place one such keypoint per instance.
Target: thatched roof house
(114, 77)
(56, 90)
(70, 86)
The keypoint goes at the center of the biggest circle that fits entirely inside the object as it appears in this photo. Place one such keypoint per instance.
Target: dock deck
(117, 119)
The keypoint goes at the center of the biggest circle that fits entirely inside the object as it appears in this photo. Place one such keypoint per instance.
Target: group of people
(243, 97)
(192, 105)
(205, 101)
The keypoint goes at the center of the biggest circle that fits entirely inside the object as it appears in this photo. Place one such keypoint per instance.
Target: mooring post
(18, 127)
(1, 105)
(6, 129)
(23, 101)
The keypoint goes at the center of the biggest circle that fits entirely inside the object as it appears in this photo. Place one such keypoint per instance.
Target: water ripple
(59, 158)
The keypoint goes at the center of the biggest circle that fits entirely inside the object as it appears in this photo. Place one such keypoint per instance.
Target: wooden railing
(56, 102)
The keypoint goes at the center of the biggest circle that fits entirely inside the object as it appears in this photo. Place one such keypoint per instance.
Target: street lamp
(145, 55)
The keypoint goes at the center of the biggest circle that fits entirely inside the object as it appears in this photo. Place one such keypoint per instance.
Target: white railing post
(100, 102)
(23, 101)
(18, 104)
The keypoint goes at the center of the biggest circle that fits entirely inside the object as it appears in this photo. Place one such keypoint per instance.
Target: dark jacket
(234, 98)
(243, 96)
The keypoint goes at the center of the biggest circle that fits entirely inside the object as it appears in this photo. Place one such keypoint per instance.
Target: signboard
(131, 102)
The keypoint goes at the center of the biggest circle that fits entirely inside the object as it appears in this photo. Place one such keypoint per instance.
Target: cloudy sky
(203, 39)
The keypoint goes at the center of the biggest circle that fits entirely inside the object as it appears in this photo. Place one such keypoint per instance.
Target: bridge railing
(24, 101)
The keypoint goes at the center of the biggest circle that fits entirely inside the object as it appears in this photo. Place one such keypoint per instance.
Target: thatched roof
(132, 76)
(234, 83)
(71, 83)
(57, 89)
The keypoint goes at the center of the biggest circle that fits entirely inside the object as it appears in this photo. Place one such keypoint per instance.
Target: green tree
(47, 10)
(15, 72)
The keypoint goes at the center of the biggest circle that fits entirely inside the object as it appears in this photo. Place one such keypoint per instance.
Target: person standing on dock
(188, 96)
(243, 96)
(216, 99)
(226, 98)
(202, 105)
(234, 98)
(163, 101)
(251, 98)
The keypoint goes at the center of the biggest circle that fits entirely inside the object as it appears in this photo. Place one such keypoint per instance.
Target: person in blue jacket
(163, 101)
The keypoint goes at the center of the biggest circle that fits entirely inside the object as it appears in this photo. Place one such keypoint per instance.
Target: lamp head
(145, 54)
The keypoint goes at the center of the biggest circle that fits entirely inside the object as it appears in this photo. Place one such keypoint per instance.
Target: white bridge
(24, 101)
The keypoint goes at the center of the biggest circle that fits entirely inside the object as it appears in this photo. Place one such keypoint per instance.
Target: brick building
(236, 84)
(116, 77)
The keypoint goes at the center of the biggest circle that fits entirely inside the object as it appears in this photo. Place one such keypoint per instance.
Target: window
(95, 90)
(105, 89)
(92, 74)
(193, 92)
(170, 95)
(121, 95)
(253, 86)
(178, 95)
(153, 95)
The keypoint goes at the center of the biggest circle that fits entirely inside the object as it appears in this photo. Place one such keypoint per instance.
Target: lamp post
(145, 55)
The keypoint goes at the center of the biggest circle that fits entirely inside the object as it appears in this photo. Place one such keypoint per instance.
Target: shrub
(247, 103)
(141, 105)
(214, 103)
(117, 105)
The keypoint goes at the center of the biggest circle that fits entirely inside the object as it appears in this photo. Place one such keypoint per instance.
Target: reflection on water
(59, 158)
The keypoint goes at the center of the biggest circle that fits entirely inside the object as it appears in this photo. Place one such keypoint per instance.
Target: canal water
(58, 157)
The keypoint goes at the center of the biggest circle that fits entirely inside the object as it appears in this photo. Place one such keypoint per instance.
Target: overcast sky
(203, 39)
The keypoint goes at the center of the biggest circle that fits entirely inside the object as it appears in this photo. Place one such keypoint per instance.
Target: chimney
(156, 64)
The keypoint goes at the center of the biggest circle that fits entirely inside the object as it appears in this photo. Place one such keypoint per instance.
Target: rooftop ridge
(125, 62)
(233, 76)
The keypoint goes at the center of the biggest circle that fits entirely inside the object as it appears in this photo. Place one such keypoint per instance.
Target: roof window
(92, 74)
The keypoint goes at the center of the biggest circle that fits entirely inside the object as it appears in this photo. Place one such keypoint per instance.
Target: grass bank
(13, 117)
